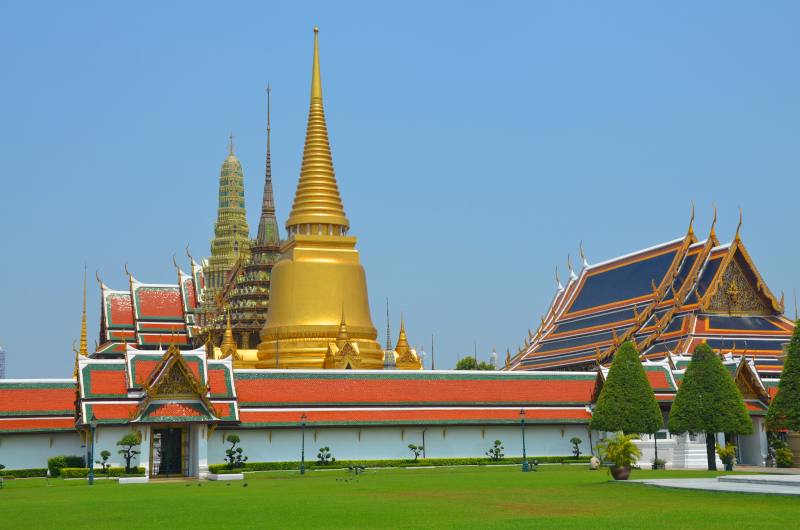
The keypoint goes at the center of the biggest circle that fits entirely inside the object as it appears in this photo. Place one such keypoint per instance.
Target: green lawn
(555, 496)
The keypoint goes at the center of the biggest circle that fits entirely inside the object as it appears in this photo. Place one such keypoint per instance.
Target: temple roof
(667, 299)
(37, 405)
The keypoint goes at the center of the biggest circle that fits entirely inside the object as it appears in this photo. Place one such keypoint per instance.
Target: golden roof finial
(713, 234)
(691, 231)
(568, 263)
(740, 224)
(231, 147)
(317, 197)
(84, 349)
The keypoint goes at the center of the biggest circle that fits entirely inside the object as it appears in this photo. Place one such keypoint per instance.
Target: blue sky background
(475, 145)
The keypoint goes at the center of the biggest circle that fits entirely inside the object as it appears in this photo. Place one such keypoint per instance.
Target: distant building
(494, 360)
(2, 362)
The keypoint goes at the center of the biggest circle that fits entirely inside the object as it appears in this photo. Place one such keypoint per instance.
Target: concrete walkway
(753, 484)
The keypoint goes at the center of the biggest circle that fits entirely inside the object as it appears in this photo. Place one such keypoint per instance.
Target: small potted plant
(622, 452)
(728, 455)
(658, 463)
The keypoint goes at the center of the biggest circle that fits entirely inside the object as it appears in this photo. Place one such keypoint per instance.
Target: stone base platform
(752, 484)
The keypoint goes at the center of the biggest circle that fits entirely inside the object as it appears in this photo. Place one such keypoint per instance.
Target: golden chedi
(319, 275)
(405, 357)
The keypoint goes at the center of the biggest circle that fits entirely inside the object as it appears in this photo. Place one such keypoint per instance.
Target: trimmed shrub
(56, 463)
(120, 471)
(74, 472)
(25, 473)
(784, 411)
(627, 402)
(128, 442)
(708, 402)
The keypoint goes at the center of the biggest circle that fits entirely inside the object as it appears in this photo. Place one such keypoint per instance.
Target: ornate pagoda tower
(319, 276)
(231, 237)
(248, 298)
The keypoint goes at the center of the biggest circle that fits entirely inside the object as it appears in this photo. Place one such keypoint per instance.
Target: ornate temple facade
(666, 300)
(318, 357)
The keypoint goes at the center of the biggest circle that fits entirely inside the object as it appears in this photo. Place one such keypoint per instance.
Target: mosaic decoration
(175, 385)
(735, 296)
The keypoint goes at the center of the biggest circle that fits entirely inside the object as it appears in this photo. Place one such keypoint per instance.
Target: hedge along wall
(339, 464)
(83, 472)
(57, 463)
(24, 473)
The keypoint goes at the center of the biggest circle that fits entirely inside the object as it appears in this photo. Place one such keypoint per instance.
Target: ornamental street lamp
(303, 450)
(524, 460)
(93, 423)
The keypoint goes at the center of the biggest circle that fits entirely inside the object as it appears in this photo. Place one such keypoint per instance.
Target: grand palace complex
(267, 330)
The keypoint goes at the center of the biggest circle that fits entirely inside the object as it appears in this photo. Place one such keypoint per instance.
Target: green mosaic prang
(87, 379)
(228, 387)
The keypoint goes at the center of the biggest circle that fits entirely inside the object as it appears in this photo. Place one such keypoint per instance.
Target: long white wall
(26, 451)
(384, 443)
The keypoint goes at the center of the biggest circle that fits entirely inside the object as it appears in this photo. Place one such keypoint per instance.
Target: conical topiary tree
(627, 402)
(784, 411)
(708, 402)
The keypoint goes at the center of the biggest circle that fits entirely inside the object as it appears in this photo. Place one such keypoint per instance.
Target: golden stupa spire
(343, 337)
(402, 341)
(231, 146)
(317, 207)
(228, 345)
(84, 349)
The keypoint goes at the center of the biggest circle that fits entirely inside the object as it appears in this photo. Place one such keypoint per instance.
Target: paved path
(753, 484)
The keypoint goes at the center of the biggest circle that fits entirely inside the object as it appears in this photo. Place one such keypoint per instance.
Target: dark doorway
(167, 452)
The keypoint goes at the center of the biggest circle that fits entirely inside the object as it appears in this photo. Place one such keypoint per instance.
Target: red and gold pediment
(738, 289)
(747, 382)
(172, 379)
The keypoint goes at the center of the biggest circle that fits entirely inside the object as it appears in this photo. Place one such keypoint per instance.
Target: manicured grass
(473, 497)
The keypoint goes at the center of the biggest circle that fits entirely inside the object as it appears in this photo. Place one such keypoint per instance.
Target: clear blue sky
(475, 145)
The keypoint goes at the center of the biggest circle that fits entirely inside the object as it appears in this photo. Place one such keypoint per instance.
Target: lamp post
(303, 447)
(524, 460)
(93, 423)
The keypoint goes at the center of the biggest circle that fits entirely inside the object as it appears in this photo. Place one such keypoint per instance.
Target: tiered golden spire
(343, 337)
(228, 345)
(402, 341)
(84, 348)
(317, 200)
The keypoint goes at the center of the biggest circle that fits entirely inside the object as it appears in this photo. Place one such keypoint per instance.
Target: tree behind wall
(708, 402)
(784, 411)
(627, 402)
(468, 363)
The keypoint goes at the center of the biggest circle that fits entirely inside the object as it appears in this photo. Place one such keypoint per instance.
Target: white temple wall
(106, 439)
(753, 447)
(389, 443)
(27, 451)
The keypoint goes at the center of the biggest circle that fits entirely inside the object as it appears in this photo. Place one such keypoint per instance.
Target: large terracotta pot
(620, 473)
